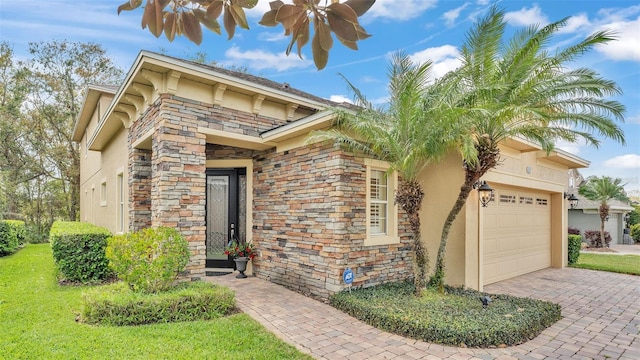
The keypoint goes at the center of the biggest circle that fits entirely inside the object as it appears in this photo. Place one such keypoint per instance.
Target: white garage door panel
(517, 234)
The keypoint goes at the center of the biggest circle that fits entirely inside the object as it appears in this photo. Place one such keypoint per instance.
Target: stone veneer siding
(309, 202)
(309, 220)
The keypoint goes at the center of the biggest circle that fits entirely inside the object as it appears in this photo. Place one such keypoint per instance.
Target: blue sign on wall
(347, 276)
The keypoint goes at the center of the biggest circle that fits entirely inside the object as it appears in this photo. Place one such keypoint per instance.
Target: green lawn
(625, 264)
(37, 321)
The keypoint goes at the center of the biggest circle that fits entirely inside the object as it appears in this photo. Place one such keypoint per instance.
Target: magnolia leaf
(269, 18)
(238, 15)
(303, 36)
(320, 55)
(215, 9)
(191, 26)
(342, 11)
(361, 33)
(297, 30)
(360, 6)
(343, 28)
(275, 5)
(129, 5)
(300, 2)
(350, 44)
(229, 22)
(324, 35)
(288, 15)
(211, 24)
(247, 4)
(170, 26)
(153, 18)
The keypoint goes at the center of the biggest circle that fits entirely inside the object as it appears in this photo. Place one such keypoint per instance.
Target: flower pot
(241, 265)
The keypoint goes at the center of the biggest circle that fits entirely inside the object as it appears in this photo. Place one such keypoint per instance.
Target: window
(120, 203)
(382, 214)
(103, 193)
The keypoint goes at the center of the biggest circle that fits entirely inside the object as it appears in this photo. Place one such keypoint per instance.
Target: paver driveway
(601, 320)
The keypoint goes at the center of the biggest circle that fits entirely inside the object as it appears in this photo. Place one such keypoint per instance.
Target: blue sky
(425, 29)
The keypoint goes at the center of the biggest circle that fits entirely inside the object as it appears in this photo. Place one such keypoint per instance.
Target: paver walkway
(601, 320)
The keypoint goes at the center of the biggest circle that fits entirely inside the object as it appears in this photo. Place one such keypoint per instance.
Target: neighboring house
(586, 216)
(219, 154)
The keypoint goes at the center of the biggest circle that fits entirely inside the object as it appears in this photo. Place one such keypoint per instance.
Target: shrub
(635, 232)
(593, 238)
(573, 231)
(148, 260)
(575, 243)
(116, 304)
(455, 318)
(79, 251)
(20, 230)
(8, 239)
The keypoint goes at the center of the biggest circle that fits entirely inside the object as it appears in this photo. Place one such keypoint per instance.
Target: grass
(624, 264)
(455, 318)
(38, 320)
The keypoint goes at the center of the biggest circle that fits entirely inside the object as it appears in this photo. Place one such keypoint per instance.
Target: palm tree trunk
(437, 280)
(409, 196)
(604, 212)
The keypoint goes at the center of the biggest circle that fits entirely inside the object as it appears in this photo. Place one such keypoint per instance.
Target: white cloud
(271, 36)
(451, 15)
(444, 58)
(400, 9)
(576, 23)
(633, 119)
(261, 60)
(628, 161)
(482, 2)
(627, 46)
(526, 17)
(571, 148)
(340, 99)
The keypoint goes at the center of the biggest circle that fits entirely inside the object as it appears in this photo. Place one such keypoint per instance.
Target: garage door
(517, 234)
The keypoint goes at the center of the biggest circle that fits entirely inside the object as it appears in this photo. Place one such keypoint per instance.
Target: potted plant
(241, 253)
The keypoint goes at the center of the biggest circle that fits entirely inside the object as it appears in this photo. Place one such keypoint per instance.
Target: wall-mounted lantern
(485, 191)
(573, 200)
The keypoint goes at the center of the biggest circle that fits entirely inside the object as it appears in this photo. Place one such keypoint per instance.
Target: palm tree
(603, 189)
(396, 134)
(517, 88)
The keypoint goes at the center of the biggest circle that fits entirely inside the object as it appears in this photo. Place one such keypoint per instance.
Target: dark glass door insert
(225, 213)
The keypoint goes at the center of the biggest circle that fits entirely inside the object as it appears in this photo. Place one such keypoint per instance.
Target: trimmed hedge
(20, 230)
(635, 232)
(456, 318)
(8, 239)
(79, 251)
(116, 304)
(148, 260)
(575, 244)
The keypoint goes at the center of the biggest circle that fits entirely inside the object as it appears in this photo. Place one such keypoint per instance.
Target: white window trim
(391, 237)
(103, 192)
(120, 201)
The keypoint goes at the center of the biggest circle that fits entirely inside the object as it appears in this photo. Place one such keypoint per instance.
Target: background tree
(39, 102)
(518, 88)
(396, 134)
(603, 189)
(185, 17)
(60, 72)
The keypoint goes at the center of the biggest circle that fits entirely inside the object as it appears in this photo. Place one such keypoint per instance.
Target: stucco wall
(97, 168)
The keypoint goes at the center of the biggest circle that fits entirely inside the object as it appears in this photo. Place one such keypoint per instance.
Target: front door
(226, 213)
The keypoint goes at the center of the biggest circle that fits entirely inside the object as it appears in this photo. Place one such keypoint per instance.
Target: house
(585, 215)
(220, 154)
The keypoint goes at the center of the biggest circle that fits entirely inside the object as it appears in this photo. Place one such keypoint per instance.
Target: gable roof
(149, 67)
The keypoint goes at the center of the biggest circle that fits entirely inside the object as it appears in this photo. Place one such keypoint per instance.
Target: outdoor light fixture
(485, 301)
(486, 192)
(573, 200)
(627, 217)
